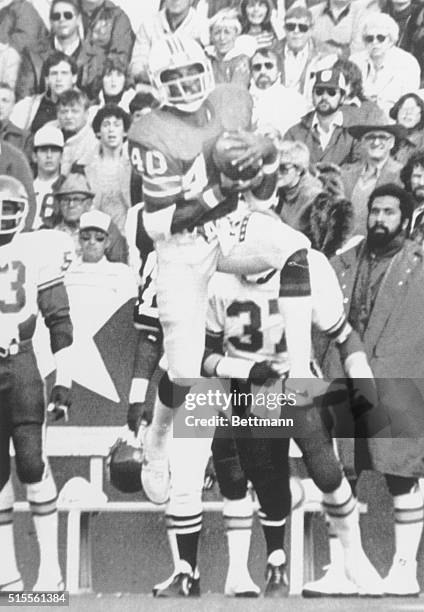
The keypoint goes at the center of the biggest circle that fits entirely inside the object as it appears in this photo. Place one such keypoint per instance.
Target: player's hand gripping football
(60, 401)
(257, 149)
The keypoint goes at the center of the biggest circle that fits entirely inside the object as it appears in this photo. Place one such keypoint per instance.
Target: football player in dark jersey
(246, 339)
(191, 214)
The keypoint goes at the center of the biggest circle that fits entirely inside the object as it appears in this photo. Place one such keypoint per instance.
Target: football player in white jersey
(187, 201)
(31, 281)
(246, 340)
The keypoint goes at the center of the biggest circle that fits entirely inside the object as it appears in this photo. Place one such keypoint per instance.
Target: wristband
(356, 366)
(138, 390)
(63, 367)
(231, 367)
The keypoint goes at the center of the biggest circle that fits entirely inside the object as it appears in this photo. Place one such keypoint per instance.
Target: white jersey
(247, 317)
(30, 263)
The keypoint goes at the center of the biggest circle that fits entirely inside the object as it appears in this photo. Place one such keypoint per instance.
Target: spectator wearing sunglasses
(72, 198)
(300, 56)
(338, 23)
(65, 36)
(20, 24)
(387, 71)
(377, 137)
(323, 129)
(275, 107)
(96, 287)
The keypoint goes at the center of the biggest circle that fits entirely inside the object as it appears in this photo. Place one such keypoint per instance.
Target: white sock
(238, 524)
(42, 499)
(336, 548)
(160, 429)
(343, 514)
(8, 565)
(409, 516)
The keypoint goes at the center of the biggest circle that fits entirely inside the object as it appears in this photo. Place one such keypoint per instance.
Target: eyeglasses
(292, 26)
(331, 91)
(284, 168)
(370, 38)
(66, 15)
(72, 198)
(86, 236)
(382, 137)
(258, 67)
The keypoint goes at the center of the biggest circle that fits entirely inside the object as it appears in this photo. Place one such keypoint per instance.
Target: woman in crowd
(387, 71)
(256, 22)
(230, 63)
(115, 87)
(408, 112)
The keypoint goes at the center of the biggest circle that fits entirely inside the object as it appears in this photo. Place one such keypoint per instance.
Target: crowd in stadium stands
(338, 85)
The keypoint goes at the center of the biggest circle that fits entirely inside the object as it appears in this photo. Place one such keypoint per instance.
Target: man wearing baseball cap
(47, 155)
(74, 198)
(323, 129)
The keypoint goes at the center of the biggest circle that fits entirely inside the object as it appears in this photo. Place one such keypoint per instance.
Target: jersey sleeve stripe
(50, 283)
(159, 180)
(161, 193)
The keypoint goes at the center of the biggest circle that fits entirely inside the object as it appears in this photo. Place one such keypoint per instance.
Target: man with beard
(412, 176)
(382, 279)
(323, 129)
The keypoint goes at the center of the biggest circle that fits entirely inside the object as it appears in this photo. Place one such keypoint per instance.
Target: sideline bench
(94, 443)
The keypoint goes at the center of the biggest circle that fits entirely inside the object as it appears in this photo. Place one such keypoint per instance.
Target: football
(228, 147)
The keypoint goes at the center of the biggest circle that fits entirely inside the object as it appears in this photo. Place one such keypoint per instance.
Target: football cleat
(363, 574)
(241, 588)
(334, 583)
(401, 581)
(156, 479)
(178, 585)
(277, 584)
(181, 72)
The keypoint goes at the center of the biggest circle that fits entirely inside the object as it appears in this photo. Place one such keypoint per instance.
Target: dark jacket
(341, 149)
(11, 133)
(108, 29)
(31, 79)
(394, 344)
(20, 25)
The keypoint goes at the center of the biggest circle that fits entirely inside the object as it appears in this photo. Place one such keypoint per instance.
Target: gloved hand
(137, 413)
(262, 372)
(60, 401)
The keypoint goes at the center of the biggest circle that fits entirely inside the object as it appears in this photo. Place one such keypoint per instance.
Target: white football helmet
(181, 72)
(13, 205)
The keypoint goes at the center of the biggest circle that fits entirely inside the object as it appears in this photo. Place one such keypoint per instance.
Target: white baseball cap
(48, 135)
(95, 219)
